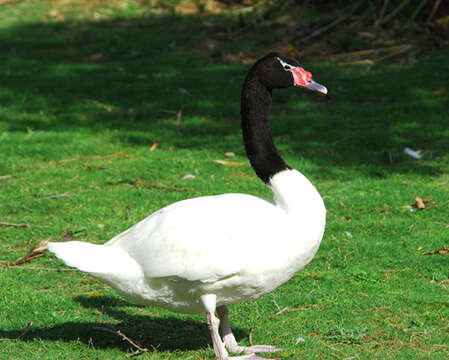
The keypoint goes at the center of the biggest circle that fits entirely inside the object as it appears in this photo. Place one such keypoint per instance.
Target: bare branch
(140, 350)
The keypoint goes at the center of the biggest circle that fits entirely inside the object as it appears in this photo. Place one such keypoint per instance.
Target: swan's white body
(234, 246)
(200, 254)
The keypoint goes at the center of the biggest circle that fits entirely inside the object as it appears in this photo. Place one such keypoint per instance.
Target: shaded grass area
(82, 102)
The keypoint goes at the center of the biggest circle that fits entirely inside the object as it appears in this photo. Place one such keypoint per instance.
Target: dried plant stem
(140, 350)
(3, 223)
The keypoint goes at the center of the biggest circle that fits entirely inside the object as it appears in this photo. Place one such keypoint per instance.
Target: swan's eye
(285, 66)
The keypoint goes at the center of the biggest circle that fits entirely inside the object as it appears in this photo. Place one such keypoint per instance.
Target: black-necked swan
(198, 255)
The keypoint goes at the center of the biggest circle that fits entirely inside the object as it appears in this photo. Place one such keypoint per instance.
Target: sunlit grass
(81, 104)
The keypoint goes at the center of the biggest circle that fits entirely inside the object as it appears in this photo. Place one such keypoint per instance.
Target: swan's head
(277, 70)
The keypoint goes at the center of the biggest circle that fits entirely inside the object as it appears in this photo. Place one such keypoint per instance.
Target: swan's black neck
(255, 111)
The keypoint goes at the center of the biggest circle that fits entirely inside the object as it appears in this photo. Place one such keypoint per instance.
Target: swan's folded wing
(203, 239)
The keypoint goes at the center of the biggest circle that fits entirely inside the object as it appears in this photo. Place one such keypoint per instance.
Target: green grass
(83, 98)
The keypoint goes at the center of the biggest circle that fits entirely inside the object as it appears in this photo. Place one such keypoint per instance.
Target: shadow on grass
(164, 334)
(132, 75)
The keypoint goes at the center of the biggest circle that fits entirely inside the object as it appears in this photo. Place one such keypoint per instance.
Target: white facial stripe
(285, 66)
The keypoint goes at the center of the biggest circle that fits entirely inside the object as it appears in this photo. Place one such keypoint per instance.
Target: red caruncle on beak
(302, 77)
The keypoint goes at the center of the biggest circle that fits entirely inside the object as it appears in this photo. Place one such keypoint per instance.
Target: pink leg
(219, 346)
(208, 301)
(229, 340)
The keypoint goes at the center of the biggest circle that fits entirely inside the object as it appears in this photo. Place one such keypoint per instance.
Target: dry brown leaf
(154, 146)
(441, 183)
(419, 203)
(443, 251)
(229, 154)
(365, 62)
(95, 57)
(229, 163)
(439, 92)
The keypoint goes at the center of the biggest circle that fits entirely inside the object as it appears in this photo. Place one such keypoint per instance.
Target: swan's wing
(203, 239)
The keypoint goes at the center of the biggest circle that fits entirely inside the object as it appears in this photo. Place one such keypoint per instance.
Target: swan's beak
(302, 77)
(314, 86)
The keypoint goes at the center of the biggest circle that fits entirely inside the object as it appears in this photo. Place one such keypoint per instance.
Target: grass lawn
(90, 123)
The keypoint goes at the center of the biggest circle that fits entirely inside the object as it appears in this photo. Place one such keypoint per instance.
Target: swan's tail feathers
(98, 260)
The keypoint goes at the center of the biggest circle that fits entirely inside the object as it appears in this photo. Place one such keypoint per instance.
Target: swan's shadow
(165, 334)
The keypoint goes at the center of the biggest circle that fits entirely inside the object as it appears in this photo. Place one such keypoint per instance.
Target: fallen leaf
(4, 177)
(419, 248)
(419, 203)
(443, 251)
(95, 57)
(229, 154)
(439, 92)
(229, 163)
(154, 146)
(188, 176)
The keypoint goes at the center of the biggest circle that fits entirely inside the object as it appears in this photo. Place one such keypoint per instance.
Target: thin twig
(387, 18)
(59, 196)
(3, 223)
(276, 304)
(178, 118)
(93, 157)
(4, 177)
(140, 350)
(251, 337)
(434, 10)
(159, 186)
(282, 311)
(372, 52)
(27, 258)
(30, 324)
(382, 12)
(32, 254)
(39, 268)
(101, 105)
(332, 24)
(286, 309)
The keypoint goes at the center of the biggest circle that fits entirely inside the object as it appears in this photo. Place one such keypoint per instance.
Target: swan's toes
(261, 349)
(247, 357)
